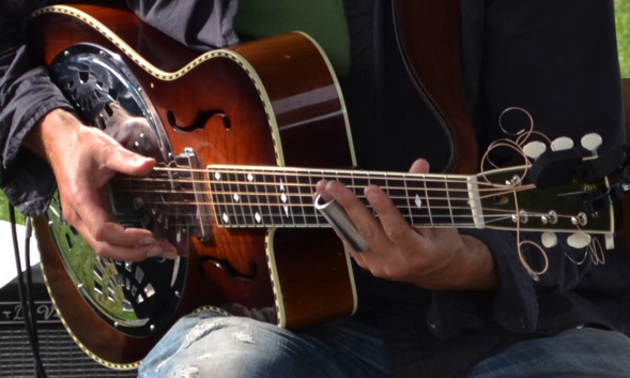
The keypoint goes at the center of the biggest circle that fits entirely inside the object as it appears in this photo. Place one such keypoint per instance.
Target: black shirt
(558, 62)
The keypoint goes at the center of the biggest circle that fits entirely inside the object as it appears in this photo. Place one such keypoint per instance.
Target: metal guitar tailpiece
(341, 222)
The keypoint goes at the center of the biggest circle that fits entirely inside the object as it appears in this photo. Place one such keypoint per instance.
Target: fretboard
(252, 196)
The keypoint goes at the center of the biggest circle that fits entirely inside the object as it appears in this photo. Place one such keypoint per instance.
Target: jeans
(208, 344)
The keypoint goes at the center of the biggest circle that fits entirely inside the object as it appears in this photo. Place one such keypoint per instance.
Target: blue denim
(208, 344)
(576, 353)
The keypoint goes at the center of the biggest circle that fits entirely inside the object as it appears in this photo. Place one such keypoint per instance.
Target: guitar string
(291, 195)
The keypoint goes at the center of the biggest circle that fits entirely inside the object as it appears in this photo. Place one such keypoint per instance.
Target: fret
(234, 197)
(243, 197)
(270, 214)
(261, 216)
(420, 203)
(360, 180)
(408, 214)
(298, 217)
(307, 186)
(318, 219)
(397, 192)
(248, 199)
(448, 202)
(217, 195)
(379, 179)
(283, 201)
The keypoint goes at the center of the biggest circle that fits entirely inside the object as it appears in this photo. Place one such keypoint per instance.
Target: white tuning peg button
(534, 149)
(591, 142)
(561, 144)
(549, 239)
(579, 240)
(610, 242)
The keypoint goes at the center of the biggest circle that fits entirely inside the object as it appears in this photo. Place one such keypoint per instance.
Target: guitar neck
(250, 196)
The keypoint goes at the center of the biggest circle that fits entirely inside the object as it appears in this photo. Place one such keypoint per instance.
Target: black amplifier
(60, 355)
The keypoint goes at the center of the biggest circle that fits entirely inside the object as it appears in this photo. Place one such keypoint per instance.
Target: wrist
(50, 132)
(479, 271)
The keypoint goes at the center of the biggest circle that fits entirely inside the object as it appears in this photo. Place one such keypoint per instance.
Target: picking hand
(433, 258)
(84, 159)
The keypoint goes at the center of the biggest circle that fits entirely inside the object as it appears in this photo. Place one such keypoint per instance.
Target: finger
(362, 218)
(395, 227)
(137, 253)
(127, 162)
(90, 209)
(320, 190)
(420, 166)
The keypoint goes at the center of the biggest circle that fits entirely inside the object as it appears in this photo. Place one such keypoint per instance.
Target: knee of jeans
(226, 347)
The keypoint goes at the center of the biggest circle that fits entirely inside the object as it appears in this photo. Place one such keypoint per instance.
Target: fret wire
(411, 219)
(426, 194)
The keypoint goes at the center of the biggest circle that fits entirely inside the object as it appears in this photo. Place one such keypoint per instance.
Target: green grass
(622, 16)
(622, 9)
(4, 210)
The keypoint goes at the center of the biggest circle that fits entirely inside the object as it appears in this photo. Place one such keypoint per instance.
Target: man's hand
(84, 159)
(433, 258)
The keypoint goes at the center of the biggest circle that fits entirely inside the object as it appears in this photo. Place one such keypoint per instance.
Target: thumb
(130, 163)
(420, 166)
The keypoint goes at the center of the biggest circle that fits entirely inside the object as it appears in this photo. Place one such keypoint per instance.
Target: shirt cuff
(513, 306)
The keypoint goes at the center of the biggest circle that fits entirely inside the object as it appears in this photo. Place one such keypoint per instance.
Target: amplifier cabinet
(60, 355)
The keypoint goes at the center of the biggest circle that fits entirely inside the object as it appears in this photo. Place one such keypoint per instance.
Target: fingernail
(155, 251)
(170, 255)
(372, 197)
(147, 240)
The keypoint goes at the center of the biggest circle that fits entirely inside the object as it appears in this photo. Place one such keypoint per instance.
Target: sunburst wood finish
(301, 108)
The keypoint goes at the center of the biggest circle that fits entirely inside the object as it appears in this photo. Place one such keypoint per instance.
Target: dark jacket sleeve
(27, 93)
(200, 25)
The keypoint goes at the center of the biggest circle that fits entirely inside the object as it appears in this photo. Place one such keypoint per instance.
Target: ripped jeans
(209, 344)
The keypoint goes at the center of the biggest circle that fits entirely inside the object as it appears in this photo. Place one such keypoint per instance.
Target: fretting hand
(433, 258)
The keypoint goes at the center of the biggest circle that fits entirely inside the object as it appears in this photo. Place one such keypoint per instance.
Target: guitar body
(239, 106)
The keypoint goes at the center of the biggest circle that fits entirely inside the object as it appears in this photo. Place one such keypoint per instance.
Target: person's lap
(212, 345)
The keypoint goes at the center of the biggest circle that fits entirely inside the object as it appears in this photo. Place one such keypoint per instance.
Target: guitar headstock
(554, 192)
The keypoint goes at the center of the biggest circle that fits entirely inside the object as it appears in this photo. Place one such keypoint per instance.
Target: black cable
(27, 308)
(29, 282)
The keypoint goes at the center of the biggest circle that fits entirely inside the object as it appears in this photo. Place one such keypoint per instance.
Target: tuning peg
(534, 149)
(561, 144)
(549, 239)
(579, 240)
(591, 142)
(610, 242)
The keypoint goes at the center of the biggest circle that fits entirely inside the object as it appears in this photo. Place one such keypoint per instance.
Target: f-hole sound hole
(200, 121)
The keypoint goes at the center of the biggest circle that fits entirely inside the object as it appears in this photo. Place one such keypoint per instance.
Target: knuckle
(99, 233)
(393, 272)
(367, 232)
(397, 233)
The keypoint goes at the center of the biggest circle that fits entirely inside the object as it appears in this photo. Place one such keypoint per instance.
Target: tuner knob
(562, 143)
(534, 149)
(591, 142)
(549, 239)
(610, 242)
(579, 240)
